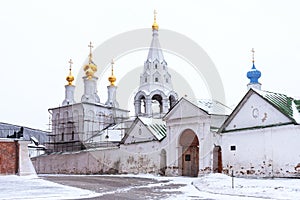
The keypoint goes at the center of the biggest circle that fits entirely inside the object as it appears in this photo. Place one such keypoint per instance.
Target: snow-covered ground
(280, 188)
(32, 187)
(213, 186)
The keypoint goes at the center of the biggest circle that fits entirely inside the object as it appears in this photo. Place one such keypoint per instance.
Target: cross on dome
(90, 55)
(253, 74)
(70, 77)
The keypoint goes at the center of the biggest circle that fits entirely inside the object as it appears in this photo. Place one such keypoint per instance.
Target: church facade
(170, 135)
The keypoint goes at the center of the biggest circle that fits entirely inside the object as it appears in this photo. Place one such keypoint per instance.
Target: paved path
(125, 188)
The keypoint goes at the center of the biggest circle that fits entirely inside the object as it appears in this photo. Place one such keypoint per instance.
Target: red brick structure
(9, 157)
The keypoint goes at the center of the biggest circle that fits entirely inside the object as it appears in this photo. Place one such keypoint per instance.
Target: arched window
(156, 79)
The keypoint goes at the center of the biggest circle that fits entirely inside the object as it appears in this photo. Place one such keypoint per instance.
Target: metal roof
(287, 105)
(9, 129)
(157, 127)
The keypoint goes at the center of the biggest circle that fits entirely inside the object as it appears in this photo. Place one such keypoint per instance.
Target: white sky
(38, 38)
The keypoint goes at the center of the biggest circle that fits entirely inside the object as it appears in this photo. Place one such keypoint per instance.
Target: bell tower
(155, 95)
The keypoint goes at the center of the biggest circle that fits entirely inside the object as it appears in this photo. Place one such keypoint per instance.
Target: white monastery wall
(264, 152)
(134, 158)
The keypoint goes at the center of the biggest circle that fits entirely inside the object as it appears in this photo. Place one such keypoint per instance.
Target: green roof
(287, 105)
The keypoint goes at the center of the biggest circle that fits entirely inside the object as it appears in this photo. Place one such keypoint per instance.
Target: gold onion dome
(70, 77)
(155, 25)
(112, 79)
(90, 68)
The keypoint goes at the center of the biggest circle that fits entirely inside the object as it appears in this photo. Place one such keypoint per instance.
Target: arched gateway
(189, 162)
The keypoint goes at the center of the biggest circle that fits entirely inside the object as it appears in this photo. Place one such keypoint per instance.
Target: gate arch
(189, 162)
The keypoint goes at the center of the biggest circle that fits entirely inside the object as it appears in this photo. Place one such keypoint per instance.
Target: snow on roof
(9, 129)
(213, 107)
(156, 126)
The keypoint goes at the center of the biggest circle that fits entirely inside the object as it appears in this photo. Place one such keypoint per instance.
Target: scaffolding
(75, 133)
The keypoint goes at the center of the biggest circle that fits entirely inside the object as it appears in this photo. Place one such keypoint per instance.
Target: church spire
(254, 75)
(69, 88)
(155, 52)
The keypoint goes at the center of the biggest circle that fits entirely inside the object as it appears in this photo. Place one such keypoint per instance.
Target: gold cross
(90, 56)
(253, 54)
(91, 46)
(112, 66)
(71, 62)
(155, 13)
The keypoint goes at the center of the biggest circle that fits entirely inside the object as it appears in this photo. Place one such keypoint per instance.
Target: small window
(167, 80)
(232, 148)
(156, 79)
(155, 66)
(187, 157)
(62, 136)
(72, 135)
(145, 80)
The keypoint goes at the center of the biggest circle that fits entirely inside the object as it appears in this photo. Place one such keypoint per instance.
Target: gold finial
(253, 54)
(90, 68)
(90, 55)
(112, 79)
(70, 78)
(155, 25)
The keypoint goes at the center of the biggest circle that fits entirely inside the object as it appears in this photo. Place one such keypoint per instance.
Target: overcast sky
(39, 37)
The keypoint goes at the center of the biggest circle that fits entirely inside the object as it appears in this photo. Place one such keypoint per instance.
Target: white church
(171, 135)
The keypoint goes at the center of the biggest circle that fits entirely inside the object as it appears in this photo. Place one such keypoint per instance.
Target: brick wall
(9, 157)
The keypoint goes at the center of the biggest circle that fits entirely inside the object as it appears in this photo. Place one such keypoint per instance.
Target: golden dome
(112, 79)
(90, 68)
(155, 25)
(70, 78)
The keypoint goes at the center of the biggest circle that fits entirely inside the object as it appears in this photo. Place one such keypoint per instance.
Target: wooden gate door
(190, 161)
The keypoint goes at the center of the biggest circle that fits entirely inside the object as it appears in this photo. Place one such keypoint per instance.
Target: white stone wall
(263, 152)
(134, 158)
